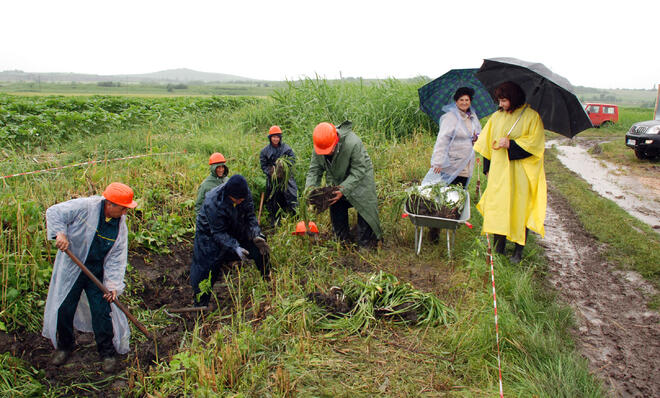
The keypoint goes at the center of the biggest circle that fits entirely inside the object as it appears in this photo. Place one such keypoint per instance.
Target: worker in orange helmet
(341, 156)
(219, 171)
(281, 196)
(95, 231)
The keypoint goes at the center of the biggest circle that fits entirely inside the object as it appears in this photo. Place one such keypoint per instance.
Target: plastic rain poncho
(453, 151)
(516, 195)
(78, 219)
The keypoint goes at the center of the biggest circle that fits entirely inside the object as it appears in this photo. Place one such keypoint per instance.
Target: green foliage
(29, 121)
(385, 109)
(384, 294)
(18, 379)
(266, 339)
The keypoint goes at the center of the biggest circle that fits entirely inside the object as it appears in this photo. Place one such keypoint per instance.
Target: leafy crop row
(37, 121)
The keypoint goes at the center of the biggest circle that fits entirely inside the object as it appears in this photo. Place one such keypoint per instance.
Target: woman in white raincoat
(95, 231)
(452, 161)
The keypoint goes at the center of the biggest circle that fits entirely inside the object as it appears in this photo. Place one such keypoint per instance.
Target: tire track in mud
(615, 330)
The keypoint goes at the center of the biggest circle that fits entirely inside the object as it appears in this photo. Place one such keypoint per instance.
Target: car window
(609, 110)
(593, 108)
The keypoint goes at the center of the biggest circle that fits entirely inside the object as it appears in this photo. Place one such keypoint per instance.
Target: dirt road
(640, 197)
(616, 331)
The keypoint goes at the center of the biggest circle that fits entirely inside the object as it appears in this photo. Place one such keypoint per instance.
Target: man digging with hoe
(94, 229)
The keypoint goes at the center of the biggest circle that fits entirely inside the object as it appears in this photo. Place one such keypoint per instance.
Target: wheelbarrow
(448, 224)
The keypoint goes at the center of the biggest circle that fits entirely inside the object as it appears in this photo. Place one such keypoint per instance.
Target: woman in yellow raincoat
(512, 144)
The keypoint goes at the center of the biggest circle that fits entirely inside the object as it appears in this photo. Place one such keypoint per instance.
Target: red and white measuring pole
(86, 163)
(497, 332)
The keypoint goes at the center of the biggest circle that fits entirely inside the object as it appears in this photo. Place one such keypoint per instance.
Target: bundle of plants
(282, 170)
(383, 296)
(444, 201)
(320, 197)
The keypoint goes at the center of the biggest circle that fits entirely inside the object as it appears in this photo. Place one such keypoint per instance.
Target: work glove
(261, 244)
(242, 253)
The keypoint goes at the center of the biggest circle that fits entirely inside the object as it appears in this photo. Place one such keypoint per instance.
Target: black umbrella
(546, 92)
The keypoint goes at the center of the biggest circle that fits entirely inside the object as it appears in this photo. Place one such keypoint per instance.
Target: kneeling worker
(340, 154)
(94, 229)
(227, 231)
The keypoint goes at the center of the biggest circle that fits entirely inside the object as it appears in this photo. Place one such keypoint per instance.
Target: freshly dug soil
(158, 280)
(320, 198)
(425, 207)
(333, 301)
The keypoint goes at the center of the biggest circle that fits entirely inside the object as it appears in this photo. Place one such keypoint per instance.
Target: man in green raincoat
(340, 154)
(218, 176)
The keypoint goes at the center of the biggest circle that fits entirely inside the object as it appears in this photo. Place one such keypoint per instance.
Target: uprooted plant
(320, 198)
(281, 173)
(357, 304)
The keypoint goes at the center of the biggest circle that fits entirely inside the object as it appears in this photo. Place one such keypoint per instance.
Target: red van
(602, 114)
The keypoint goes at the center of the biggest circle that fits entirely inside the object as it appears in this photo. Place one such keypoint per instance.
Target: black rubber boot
(500, 242)
(517, 254)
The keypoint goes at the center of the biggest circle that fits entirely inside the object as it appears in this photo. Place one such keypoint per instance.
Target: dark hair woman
(512, 143)
(512, 93)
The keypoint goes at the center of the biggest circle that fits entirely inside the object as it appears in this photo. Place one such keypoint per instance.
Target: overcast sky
(605, 44)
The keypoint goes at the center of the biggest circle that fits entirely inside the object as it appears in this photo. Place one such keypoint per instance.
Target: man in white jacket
(95, 231)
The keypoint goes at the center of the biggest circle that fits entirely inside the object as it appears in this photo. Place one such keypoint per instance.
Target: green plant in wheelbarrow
(438, 200)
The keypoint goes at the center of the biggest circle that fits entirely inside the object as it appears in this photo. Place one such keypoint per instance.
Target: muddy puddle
(640, 197)
(615, 330)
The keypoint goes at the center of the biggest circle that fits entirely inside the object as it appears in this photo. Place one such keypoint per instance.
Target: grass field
(287, 352)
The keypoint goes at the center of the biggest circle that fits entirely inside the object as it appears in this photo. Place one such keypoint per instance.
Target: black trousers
(339, 218)
(276, 205)
(262, 262)
(100, 308)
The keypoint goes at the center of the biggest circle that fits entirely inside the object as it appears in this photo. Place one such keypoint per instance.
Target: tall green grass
(268, 341)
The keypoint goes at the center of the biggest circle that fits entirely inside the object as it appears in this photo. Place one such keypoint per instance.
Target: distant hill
(181, 75)
(620, 96)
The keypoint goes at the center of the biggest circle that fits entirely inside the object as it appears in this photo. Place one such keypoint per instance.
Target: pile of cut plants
(357, 304)
(438, 200)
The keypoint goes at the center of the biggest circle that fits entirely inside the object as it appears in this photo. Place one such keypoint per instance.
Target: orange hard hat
(120, 194)
(274, 130)
(300, 229)
(313, 228)
(217, 158)
(325, 138)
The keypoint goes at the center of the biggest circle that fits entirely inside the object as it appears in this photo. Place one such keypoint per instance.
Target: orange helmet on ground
(274, 130)
(217, 158)
(313, 228)
(120, 194)
(325, 138)
(300, 229)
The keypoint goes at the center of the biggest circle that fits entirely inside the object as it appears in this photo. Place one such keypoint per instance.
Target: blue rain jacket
(220, 227)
